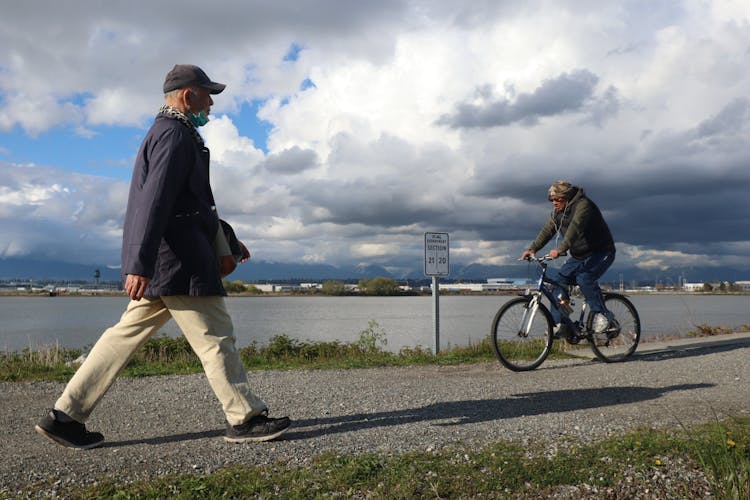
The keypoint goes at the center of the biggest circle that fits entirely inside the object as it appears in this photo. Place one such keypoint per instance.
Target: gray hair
(172, 94)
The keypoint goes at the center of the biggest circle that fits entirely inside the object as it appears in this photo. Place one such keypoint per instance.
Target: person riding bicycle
(586, 236)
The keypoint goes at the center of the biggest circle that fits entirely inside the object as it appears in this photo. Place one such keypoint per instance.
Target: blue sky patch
(293, 53)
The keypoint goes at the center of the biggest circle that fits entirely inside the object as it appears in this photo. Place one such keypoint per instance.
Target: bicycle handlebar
(546, 257)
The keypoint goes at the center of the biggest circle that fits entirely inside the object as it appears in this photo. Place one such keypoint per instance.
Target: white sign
(436, 261)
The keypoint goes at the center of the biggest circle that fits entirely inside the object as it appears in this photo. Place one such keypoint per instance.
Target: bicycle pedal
(612, 333)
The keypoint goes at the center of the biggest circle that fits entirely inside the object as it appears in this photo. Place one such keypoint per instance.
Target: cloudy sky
(349, 128)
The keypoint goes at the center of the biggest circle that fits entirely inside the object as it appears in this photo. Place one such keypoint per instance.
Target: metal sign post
(436, 263)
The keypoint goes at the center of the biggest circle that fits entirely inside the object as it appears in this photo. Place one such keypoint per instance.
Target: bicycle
(522, 330)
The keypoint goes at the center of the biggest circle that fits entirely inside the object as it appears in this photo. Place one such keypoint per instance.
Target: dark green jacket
(581, 226)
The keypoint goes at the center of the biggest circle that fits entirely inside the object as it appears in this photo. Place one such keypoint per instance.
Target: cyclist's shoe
(600, 323)
(605, 323)
(69, 434)
(560, 330)
(258, 428)
(565, 330)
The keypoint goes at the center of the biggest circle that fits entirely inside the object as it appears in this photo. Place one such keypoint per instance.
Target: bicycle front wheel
(522, 334)
(620, 339)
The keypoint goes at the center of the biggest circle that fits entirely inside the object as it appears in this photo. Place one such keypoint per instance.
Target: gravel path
(173, 424)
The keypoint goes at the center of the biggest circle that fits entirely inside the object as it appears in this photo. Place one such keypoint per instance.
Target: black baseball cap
(185, 75)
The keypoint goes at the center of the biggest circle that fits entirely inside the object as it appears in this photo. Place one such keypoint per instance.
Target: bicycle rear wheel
(522, 336)
(620, 339)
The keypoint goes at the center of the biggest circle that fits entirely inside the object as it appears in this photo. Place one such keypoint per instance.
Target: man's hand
(554, 253)
(245, 252)
(227, 264)
(135, 286)
(527, 254)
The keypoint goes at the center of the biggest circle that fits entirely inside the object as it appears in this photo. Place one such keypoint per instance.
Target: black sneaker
(567, 331)
(562, 331)
(258, 428)
(71, 435)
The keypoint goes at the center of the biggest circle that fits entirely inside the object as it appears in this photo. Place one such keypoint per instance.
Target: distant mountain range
(628, 275)
(264, 271)
(29, 269)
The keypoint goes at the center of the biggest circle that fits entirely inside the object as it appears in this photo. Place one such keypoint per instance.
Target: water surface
(406, 321)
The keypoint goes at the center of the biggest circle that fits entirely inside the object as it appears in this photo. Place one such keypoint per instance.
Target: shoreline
(719, 333)
(121, 294)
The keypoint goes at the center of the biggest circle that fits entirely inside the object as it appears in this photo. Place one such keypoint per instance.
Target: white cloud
(79, 220)
(228, 147)
(113, 106)
(27, 194)
(663, 259)
(369, 250)
(36, 114)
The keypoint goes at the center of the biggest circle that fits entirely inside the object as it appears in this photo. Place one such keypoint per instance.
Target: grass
(163, 355)
(704, 330)
(47, 363)
(611, 468)
(724, 452)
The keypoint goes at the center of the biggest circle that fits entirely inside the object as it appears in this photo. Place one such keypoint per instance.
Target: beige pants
(207, 326)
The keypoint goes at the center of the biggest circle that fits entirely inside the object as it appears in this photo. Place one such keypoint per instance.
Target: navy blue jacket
(171, 221)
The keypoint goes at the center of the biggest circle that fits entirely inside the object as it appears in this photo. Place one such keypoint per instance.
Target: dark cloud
(657, 205)
(563, 94)
(291, 161)
(663, 220)
(374, 203)
(604, 107)
(672, 187)
(729, 120)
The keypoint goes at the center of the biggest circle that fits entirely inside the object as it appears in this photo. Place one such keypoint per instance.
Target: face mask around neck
(198, 120)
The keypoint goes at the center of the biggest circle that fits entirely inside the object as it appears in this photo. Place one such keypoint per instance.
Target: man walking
(172, 269)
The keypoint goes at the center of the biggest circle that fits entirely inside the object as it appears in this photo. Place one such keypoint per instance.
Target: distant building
(274, 288)
(310, 286)
(492, 285)
(286, 287)
(461, 287)
(692, 287)
(743, 286)
(508, 283)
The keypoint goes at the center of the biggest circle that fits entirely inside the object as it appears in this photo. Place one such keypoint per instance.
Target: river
(76, 321)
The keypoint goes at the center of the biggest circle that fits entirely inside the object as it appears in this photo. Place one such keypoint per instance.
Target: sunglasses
(555, 199)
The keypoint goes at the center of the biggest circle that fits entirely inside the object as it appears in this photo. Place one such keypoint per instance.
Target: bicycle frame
(541, 288)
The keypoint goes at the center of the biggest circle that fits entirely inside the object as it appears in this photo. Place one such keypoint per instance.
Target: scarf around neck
(171, 112)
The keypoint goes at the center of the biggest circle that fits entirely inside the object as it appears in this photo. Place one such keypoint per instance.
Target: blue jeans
(584, 273)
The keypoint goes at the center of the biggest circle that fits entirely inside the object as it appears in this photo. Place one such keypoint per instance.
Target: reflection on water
(406, 321)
